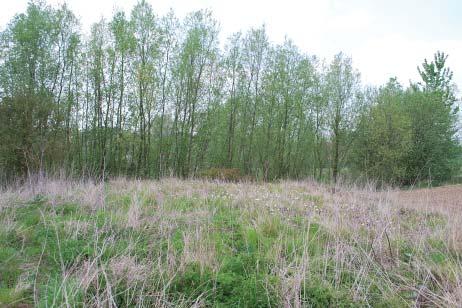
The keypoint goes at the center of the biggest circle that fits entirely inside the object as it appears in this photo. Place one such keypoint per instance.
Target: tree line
(149, 96)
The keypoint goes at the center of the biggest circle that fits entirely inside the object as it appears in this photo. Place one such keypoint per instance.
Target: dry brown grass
(383, 239)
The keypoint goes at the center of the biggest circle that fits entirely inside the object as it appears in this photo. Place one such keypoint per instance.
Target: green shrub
(316, 294)
(224, 174)
(192, 282)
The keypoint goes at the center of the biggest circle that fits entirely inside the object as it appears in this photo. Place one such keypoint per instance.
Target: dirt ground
(447, 197)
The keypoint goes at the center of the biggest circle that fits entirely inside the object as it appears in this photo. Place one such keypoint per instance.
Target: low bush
(224, 174)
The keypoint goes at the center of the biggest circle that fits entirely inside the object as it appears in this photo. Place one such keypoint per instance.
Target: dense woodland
(144, 95)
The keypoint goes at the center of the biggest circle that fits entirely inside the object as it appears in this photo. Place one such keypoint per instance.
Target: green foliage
(315, 294)
(437, 79)
(193, 282)
(149, 96)
(37, 43)
(407, 136)
(9, 297)
(384, 137)
(435, 153)
(9, 267)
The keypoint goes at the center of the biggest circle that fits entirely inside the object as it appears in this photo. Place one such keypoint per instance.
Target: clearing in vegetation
(177, 243)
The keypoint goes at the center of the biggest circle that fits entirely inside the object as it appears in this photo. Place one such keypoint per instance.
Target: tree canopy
(149, 96)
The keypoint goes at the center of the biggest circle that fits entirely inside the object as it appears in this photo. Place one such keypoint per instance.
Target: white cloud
(396, 55)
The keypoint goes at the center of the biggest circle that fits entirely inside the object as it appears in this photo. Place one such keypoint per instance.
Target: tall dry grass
(382, 239)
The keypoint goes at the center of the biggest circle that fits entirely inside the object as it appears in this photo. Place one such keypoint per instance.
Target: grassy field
(174, 243)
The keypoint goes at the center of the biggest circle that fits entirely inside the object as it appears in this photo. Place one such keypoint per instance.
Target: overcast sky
(385, 38)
